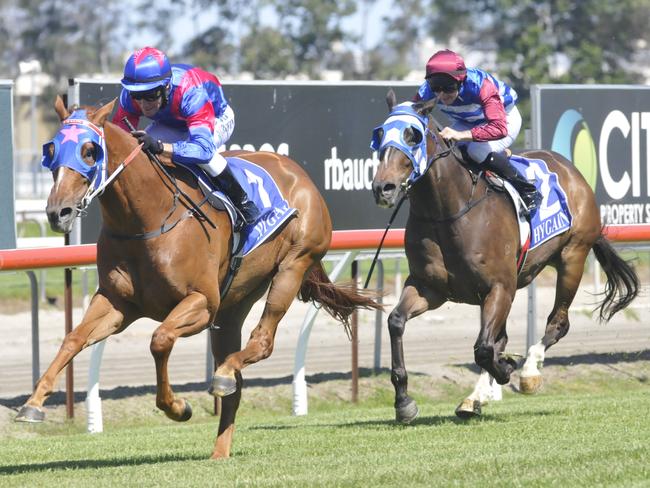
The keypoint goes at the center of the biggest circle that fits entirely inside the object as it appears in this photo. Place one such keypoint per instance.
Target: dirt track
(438, 338)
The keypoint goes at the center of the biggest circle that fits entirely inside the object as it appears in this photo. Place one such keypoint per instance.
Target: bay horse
(175, 277)
(462, 243)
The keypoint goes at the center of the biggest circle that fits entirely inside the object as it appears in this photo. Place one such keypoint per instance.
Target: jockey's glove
(148, 142)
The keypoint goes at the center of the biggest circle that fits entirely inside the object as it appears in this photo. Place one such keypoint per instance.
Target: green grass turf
(592, 430)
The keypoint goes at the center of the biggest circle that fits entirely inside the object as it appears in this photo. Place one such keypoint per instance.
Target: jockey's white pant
(478, 151)
(223, 129)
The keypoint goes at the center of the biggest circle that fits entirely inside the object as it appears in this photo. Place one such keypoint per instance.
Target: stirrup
(245, 216)
(531, 202)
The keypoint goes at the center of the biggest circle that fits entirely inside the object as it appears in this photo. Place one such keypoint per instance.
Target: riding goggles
(148, 96)
(443, 89)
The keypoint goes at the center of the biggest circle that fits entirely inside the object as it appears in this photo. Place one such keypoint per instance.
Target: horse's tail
(622, 281)
(339, 300)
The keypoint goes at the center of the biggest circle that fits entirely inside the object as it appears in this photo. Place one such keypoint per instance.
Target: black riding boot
(229, 184)
(500, 164)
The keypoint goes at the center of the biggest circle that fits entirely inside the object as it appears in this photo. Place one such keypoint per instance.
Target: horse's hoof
(468, 409)
(530, 385)
(187, 412)
(223, 386)
(407, 414)
(30, 414)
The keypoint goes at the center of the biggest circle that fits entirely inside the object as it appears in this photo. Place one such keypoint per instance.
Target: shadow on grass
(592, 358)
(121, 392)
(429, 421)
(98, 463)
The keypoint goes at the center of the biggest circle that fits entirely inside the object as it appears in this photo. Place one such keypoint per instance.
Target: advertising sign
(605, 131)
(324, 127)
(7, 196)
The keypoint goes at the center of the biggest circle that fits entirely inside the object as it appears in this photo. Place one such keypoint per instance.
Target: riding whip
(381, 243)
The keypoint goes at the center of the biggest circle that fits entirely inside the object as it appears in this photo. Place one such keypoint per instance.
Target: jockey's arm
(496, 126)
(454, 135)
(199, 147)
(165, 157)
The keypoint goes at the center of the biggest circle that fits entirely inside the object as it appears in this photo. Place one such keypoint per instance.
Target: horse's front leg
(189, 317)
(100, 321)
(485, 389)
(415, 300)
(492, 338)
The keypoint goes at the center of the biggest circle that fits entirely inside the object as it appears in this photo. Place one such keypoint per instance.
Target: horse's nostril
(388, 188)
(65, 212)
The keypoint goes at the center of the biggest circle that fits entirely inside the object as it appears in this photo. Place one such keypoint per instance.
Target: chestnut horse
(462, 244)
(175, 277)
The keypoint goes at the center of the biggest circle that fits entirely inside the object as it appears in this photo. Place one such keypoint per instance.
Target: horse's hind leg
(100, 321)
(225, 341)
(569, 274)
(415, 300)
(283, 290)
(189, 317)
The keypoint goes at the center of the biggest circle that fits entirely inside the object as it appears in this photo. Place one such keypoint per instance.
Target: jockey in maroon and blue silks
(483, 112)
(191, 117)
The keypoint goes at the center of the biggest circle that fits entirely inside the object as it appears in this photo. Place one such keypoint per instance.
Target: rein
(407, 186)
(90, 194)
(469, 205)
(193, 210)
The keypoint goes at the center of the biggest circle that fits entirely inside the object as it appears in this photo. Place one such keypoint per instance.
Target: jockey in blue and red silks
(484, 116)
(191, 117)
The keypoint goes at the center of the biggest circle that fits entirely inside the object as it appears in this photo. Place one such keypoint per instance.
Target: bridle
(449, 149)
(193, 209)
(407, 185)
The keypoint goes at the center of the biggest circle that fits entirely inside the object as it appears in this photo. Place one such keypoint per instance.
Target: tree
(211, 50)
(313, 26)
(266, 53)
(71, 38)
(550, 41)
(397, 54)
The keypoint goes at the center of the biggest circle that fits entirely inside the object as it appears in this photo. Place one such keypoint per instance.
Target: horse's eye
(88, 154)
(412, 136)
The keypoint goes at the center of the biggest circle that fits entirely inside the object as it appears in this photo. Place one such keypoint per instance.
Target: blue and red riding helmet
(146, 69)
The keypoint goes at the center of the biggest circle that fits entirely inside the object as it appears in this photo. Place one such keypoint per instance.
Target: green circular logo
(572, 139)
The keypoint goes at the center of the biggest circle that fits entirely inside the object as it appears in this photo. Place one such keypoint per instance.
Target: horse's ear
(425, 108)
(60, 108)
(391, 100)
(100, 116)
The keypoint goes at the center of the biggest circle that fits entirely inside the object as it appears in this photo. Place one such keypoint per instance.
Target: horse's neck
(443, 190)
(136, 198)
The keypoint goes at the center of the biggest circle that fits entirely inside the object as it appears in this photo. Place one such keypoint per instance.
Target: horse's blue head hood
(391, 134)
(75, 131)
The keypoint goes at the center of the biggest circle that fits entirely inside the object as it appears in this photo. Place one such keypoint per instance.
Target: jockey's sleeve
(126, 109)
(496, 126)
(199, 147)
(423, 93)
